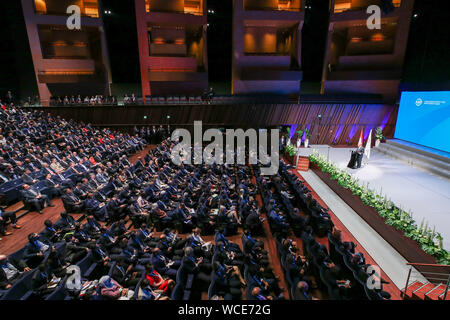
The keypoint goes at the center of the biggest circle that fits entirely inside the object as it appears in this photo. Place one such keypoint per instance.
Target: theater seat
(177, 292)
(21, 290)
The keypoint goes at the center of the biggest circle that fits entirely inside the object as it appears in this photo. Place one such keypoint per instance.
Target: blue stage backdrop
(424, 118)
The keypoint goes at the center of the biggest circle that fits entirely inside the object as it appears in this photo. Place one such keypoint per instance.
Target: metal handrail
(435, 273)
(427, 265)
(428, 278)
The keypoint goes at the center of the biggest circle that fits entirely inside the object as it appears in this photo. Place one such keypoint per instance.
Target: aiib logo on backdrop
(213, 153)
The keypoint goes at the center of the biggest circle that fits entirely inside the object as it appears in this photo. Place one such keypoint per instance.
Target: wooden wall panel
(347, 118)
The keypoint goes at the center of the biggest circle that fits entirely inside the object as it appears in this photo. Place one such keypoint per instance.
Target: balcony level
(191, 7)
(341, 6)
(89, 8)
(176, 41)
(258, 74)
(357, 47)
(273, 5)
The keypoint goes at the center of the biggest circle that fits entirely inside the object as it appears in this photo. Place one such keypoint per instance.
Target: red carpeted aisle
(347, 236)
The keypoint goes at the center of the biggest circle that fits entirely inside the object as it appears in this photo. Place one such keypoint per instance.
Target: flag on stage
(360, 142)
(368, 145)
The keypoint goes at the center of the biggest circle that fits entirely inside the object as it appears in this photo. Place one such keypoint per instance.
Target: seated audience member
(50, 234)
(156, 281)
(340, 286)
(6, 217)
(301, 292)
(163, 265)
(35, 250)
(11, 272)
(95, 207)
(109, 289)
(258, 294)
(228, 280)
(72, 203)
(66, 223)
(146, 292)
(35, 199)
(75, 250)
(197, 267)
(54, 189)
(43, 281)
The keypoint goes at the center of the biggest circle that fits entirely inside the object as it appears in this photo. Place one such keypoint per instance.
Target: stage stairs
(434, 161)
(430, 283)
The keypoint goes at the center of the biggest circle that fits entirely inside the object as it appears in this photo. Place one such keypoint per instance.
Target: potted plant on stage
(307, 136)
(291, 151)
(299, 138)
(378, 136)
(288, 131)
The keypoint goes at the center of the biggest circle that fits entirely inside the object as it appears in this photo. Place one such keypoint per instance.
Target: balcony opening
(194, 7)
(88, 8)
(356, 5)
(272, 5)
(177, 41)
(360, 41)
(270, 40)
(57, 42)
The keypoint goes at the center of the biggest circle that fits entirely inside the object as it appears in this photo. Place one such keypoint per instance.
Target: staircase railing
(436, 274)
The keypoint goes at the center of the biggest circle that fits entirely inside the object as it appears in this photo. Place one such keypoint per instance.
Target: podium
(355, 160)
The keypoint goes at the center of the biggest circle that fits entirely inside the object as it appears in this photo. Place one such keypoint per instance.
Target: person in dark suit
(301, 292)
(27, 178)
(75, 251)
(258, 294)
(41, 280)
(92, 227)
(72, 203)
(34, 198)
(54, 188)
(194, 266)
(35, 250)
(83, 238)
(50, 233)
(66, 223)
(10, 271)
(163, 265)
(227, 280)
(97, 208)
(116, 208)
(4, 218)
(253, 223)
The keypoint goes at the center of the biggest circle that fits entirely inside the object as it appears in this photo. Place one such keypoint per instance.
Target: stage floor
(425, 194)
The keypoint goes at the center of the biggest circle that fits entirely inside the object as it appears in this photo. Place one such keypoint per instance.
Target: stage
(425, 194)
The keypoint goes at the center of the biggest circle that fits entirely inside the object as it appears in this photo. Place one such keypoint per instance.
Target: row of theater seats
(214, 100)
(174, 100)
(315, 252)
(10, 191)
(22, 289)
(337, 253)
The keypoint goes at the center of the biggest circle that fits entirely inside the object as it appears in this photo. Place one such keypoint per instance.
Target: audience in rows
(142, 233)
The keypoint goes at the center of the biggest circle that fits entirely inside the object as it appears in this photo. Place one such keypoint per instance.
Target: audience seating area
(153, 230)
